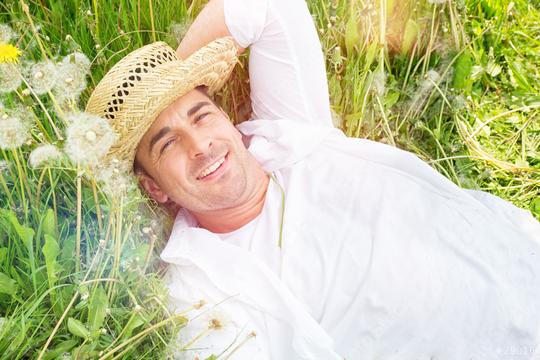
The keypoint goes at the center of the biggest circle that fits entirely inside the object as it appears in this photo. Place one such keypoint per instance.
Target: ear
(152, 188)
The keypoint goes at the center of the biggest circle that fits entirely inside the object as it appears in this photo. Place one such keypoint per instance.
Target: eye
(166, 145)
(200, 117)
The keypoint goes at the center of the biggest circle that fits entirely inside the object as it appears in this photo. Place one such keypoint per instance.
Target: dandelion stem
(96, 202)
(22, 181)
(196, 338)
(53, 195)
(39, 185)
(42, 106)
(26, 10)
(142, 334)
(96, 17)
(79, 219)
(152, 19)
(6, 190)
(235, 349)
(68, 308)
(56, 106)
(53, 332)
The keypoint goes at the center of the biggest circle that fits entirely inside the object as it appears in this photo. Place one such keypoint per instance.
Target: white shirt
(381, 256)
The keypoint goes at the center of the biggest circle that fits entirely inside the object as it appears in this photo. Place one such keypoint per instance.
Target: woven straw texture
(141, 85)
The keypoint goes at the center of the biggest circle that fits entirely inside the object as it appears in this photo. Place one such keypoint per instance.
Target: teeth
(212, 168)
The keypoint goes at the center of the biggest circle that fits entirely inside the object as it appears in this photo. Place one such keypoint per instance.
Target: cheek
(171, 170)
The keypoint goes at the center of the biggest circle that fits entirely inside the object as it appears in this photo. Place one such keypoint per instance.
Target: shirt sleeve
(286, 64)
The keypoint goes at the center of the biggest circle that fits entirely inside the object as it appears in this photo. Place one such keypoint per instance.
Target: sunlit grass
(456, 83)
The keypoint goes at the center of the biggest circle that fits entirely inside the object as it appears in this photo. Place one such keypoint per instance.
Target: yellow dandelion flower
(9, 53)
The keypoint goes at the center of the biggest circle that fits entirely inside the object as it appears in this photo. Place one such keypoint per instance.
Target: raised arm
(286, 64)
(209, 25)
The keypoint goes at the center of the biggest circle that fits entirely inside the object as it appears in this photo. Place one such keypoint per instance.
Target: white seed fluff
(78, 59)
(6, 33)
(70, 82)
(10, 77)
(14, 132)
(41, 76)
(88, 138)
(44, 155)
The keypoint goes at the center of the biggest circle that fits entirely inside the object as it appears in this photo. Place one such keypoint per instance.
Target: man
(311, 245)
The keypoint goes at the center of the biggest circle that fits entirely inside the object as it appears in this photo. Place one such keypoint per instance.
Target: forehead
(181, 106)
(178, 110)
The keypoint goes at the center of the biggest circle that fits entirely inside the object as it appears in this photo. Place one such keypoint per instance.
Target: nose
(197, 143)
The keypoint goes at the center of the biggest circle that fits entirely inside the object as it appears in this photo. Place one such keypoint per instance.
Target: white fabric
(382, 257)
(286, 65)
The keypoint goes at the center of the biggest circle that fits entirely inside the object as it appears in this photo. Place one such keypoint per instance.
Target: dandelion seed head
(215, 324)
(200, 304)
(6, 33)
(82, 147)
(78, 59)
(44, 155)
(215, 319)
(42, 76)
(114, 178)
(10, 78)
(379, 81)
(14, 132)
(431, 78)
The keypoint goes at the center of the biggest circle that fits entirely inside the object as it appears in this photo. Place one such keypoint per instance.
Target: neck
(230, 219)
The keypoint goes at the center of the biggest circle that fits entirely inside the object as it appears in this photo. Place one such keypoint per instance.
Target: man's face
(194, 156)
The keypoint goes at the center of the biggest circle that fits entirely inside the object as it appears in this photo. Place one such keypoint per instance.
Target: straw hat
(141, 85)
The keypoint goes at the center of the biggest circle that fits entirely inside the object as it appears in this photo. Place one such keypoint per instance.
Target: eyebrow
(196, 108)
(161, 133)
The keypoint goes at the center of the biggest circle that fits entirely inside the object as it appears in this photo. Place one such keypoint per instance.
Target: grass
(456, 83)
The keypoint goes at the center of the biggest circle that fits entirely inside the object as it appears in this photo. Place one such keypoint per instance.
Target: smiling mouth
(212, 168)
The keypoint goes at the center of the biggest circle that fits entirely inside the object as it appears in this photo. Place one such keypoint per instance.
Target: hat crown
(110, 94)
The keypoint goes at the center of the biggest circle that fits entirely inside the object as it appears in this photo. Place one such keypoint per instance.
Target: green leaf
(463, 69)
(7, 285)
(410, 36)
(352, 35)
(97, 309)
(77, 328)
(63, 347)
(48, 223)
(68, 247)
(26, 234)
(51, 251)
(3, 253)
(133, 323)
(391, 98)
(535, 206)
